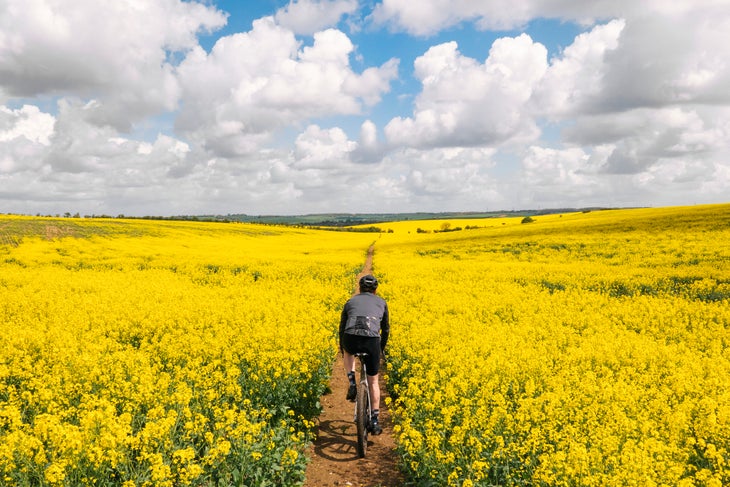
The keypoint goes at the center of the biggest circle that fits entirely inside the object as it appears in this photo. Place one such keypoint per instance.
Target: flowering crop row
(164, 354)
(590, 349)
(581, 349)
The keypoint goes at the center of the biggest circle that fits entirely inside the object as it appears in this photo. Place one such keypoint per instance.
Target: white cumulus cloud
(466, 103)
(253, 83)
(117, 52)
(176, 106)
(310, 16)
(27, 122)
(322, 148)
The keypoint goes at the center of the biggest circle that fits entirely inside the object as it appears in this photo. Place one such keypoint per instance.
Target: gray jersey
(365, 314)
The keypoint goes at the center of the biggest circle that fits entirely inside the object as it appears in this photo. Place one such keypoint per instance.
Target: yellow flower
(588, 347)
(55, 473)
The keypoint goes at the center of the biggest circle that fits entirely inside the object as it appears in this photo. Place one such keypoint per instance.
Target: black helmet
(368, 284)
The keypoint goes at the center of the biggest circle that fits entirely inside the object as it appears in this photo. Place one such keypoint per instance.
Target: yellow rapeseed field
(164, 354)
(589, 349)
(584, 349)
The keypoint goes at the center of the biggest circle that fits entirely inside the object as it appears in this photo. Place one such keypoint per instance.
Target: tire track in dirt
(333, 456)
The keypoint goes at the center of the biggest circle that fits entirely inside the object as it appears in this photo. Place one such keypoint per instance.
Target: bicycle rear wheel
(361, 419)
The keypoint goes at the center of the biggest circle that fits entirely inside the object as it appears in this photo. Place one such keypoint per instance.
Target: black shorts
(371, 345)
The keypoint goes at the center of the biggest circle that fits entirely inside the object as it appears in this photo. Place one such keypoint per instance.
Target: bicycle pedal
(351, 393)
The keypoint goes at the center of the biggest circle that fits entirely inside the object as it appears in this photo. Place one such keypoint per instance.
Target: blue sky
(276, 107)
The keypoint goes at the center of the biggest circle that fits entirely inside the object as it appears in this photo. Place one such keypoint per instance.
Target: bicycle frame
(364, 381)
(362, 423)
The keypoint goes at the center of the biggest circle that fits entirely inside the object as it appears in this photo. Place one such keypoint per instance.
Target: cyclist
(364, 327)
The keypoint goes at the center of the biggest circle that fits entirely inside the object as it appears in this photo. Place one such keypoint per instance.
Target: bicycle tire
(361, 415)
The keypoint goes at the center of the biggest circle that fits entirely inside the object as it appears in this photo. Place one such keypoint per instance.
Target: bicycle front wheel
(361, 419)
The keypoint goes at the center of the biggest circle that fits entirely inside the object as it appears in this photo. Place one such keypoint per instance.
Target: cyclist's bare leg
(349, 361)
(374, 391)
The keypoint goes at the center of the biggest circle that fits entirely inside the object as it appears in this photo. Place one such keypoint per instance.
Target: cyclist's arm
(384, 329)
(343, 322)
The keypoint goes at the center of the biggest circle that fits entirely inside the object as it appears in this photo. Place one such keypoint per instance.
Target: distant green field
(348, 219)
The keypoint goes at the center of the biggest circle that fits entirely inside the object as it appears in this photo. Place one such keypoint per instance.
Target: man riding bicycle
(364, 328)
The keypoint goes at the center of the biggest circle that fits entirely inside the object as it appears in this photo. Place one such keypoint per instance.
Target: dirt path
(334, 460)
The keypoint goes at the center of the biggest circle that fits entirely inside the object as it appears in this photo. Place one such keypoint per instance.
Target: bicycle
(362, 408)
